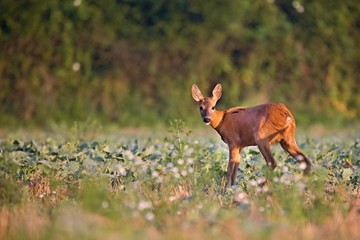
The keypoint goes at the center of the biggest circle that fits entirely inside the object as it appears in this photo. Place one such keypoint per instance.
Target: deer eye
(213, 108)
(201, 108)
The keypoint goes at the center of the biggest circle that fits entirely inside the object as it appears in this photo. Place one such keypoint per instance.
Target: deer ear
(196, 93)
(217, 91)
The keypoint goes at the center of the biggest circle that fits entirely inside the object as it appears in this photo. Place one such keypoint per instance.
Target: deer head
(207, 104)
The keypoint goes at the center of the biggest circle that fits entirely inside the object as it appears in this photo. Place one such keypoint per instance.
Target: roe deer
(260, 126)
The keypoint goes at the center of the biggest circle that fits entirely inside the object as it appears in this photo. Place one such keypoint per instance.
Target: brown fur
(260, 126)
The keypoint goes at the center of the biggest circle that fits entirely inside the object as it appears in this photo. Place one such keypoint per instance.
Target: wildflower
(105, 204)
(76, 66)
(138, 161)
(128, 154)
(180, 161)
(160, 179)
(261, 181)
(298, 7)
(144, 168)
(143, 204)
(155, 174)
(149, 216)
(121, 170)
(285, 179)
(253, 183)
(183, 173)
(189, 151)
(190, 170)
(77, 3)
(189, 161)
(300, 186)
(240, 197)
(172, 198)
(285, 169)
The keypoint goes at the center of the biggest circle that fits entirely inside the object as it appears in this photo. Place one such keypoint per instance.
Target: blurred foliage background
(133, 62)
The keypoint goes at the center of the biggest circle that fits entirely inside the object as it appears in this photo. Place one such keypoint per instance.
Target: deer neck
(217, 119)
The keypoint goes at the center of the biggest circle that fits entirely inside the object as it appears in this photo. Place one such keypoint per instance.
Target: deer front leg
(233, 165)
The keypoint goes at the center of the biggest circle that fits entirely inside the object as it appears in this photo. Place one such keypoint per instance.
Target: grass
(169, 186)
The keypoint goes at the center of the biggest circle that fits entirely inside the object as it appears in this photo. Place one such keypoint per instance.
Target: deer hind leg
(265, 151)
(292, 148)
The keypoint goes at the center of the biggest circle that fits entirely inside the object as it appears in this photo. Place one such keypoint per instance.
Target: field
(89, 183)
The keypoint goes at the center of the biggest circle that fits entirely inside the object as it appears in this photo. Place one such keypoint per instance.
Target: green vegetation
(170, 186)
(133, 61)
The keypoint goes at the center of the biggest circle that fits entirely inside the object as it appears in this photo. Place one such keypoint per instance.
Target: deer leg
(229, 172)
(234, 160)
(292, 148)
(234, 173)
(265, 151)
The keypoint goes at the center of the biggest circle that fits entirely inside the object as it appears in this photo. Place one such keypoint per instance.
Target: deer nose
(206, 120)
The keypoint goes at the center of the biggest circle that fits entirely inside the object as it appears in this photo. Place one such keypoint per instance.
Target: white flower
(180, 161)
(77, 3)
(189, 161)
(172, 198)
(121, 170)
(160, 179)
(105, 204)
(253, 183)
(261, 181)
(298, 7)
(240, 197)
(76, 66)
(183, 173)
(300, 186)
(189, 151)
(155, 174)
(128, 154)
(143, 204)
(138, 161)
(149, 216)
(285, 179)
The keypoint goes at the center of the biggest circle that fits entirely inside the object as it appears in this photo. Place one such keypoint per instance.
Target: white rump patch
(288, 120)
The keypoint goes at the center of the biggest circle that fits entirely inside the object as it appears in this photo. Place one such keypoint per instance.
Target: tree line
(133, 62)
